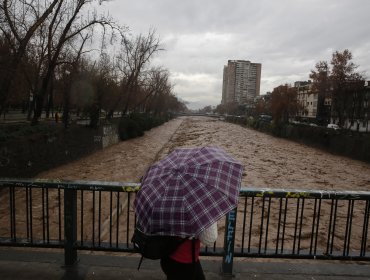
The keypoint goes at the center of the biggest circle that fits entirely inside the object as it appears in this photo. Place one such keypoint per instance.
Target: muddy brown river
(269, 162)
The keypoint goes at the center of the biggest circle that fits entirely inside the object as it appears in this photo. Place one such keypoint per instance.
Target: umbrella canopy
(187, 191)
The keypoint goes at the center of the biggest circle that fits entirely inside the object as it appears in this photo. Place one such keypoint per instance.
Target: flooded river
(269, 161)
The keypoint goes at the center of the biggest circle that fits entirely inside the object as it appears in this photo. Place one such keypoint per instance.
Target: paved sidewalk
(28, 264)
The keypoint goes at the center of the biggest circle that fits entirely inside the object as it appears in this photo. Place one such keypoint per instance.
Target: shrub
(143, 120)
(135, 124)
(128, 128)
(251, 122)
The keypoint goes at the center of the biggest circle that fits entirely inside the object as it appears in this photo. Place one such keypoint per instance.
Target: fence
(81, 215)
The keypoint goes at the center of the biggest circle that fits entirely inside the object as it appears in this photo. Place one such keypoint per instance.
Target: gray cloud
(288, 37)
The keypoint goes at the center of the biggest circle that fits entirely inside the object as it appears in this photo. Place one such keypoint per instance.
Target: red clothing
(183, 253)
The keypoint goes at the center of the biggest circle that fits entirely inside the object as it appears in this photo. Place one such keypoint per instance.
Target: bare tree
(65, 26)
(321, 86)
(71, 69)
(19, 21)
(37, 57)
(284, 103)
(262, 107)
(345, 83)
(134, 56)
(156, 88)
(340, 83)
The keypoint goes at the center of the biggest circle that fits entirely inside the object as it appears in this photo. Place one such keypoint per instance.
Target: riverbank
(26, 150)
(346, 142)
(125, 161)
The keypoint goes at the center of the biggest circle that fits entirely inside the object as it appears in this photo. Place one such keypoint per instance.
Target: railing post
(228, 257)
(70, 226)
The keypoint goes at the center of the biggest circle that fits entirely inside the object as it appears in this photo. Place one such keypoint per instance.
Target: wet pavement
(29, 264)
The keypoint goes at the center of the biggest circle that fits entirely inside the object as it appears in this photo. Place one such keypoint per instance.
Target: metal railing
(92, 215)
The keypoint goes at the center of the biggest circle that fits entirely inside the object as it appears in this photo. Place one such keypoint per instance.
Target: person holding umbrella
(184, 195)
(184, 262)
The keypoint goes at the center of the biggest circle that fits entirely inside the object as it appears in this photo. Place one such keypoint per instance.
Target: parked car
(265, 118)
(333, 126)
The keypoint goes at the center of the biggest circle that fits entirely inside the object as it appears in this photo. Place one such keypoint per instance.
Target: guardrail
(268, 223)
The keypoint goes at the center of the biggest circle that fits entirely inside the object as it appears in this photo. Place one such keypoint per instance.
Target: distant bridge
(198, 114)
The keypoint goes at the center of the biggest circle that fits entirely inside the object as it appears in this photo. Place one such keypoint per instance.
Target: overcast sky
(287, 36)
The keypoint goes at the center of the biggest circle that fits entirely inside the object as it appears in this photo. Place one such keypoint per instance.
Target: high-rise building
(241, 82)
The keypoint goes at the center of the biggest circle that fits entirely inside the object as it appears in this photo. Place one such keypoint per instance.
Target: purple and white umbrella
(187, 191)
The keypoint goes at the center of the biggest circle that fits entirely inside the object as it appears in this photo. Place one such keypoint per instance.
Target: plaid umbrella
(188, 191)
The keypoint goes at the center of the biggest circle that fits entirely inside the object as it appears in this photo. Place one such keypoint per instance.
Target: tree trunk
(50, 100)
(7, 80)
(41, 96)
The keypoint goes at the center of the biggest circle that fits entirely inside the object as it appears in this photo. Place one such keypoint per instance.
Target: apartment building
(241, 82)
(309, 107)
(306, 99)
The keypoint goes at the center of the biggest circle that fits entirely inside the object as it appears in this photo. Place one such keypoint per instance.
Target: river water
(269, 162)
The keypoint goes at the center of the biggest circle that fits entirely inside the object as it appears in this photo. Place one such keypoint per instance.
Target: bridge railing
(94, 215)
